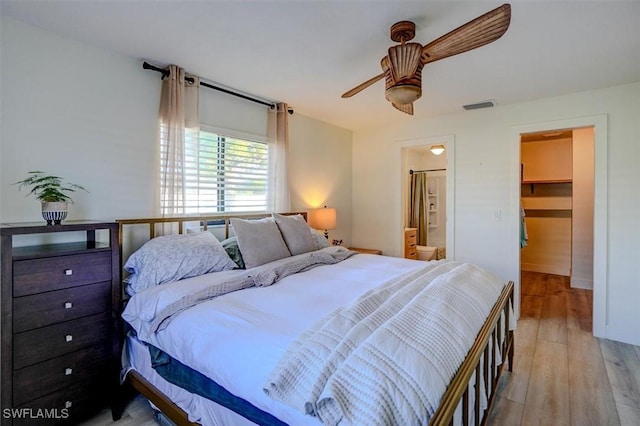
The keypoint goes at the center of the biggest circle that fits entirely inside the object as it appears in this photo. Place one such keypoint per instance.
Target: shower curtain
(418, 206)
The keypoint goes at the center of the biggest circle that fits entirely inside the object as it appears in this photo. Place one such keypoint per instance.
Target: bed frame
(480, 359)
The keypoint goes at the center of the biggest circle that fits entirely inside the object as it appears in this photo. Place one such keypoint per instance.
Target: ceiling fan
(402, 66)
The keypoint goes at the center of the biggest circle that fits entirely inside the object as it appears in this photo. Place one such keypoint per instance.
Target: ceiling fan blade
(476, 33)
(406, 108)
(362, 86)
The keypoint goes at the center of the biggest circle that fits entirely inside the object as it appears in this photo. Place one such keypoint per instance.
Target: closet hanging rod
(426, 170)
(165, 73)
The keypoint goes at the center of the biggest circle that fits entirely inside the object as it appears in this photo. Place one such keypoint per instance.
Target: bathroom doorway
(427, 201)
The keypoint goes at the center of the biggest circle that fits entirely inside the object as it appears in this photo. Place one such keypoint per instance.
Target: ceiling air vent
(484, 104)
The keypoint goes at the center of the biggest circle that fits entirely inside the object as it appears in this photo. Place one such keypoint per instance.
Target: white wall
(82, 113)
(320, 171)
(91, 116)
(487, 189)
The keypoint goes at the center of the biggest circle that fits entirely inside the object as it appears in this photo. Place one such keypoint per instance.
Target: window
(223, 173)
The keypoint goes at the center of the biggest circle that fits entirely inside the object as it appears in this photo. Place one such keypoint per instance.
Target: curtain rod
(426, 170)
(165, 73)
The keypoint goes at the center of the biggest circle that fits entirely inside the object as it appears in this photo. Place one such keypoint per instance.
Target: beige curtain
(418, 210)
(179, 119)
(278, 139)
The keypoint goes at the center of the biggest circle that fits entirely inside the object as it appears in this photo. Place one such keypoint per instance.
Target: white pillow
(295, 231)
(260, 241)
(174, 257)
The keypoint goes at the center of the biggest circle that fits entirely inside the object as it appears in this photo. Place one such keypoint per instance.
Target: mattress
(135, 356)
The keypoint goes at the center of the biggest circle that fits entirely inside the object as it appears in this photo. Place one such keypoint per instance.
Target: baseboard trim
(583, 283)
(545, 269)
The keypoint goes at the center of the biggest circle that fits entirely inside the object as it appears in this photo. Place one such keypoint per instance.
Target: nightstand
(60, 302)
(365, 250)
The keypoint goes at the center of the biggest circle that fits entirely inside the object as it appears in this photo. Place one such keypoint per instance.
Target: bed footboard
(481, 359)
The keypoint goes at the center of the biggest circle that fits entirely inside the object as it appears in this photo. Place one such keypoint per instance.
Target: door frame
(600, 217)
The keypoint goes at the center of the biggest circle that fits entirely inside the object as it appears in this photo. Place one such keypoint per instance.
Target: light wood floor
(562, 375)
(138, 413)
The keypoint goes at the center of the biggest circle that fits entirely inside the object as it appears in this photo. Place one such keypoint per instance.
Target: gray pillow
(320, 240)
(260, 241)
(295, 232)
(174, 257)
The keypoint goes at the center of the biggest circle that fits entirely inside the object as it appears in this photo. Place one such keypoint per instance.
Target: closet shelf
(557, 213)
(533, 182)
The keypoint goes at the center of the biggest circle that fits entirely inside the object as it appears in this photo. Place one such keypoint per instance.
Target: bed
(306, 333)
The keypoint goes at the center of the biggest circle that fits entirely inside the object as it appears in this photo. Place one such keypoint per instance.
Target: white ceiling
(307, 53)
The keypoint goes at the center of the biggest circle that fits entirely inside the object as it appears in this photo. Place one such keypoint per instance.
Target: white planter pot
(54, 212)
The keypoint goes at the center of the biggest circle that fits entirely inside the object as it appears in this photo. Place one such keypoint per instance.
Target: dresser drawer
(48, 308)
(40, 379)
(410, 237)
(54, 273)
(38, 345)
(70, 405)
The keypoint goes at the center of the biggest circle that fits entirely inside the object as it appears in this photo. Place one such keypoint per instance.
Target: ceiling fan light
(403, 94)
(436, 149)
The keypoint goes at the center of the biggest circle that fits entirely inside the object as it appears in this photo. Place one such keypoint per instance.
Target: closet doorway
(557, 239)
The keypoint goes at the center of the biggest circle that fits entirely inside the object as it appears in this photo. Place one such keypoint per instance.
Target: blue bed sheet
(191, 380)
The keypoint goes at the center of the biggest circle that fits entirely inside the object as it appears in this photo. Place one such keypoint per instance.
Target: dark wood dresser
(60, 306)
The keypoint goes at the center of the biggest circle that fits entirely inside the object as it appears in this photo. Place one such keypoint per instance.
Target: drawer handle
(68, 371)
(68, 271)
(68, 305)
(68, 338)
(68, 404)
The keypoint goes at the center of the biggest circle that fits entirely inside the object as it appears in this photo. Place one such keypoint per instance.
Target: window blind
(223, 173)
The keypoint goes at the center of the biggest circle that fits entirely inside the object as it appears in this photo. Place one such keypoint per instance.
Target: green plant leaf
(48, 188)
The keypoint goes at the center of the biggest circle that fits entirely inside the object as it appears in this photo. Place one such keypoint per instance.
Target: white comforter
(388, 358)
(237, 339)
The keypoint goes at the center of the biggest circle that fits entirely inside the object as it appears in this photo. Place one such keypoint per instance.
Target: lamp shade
(324, 218)
(403, 94)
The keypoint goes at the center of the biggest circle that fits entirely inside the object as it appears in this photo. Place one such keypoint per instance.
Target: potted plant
(52, 192)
